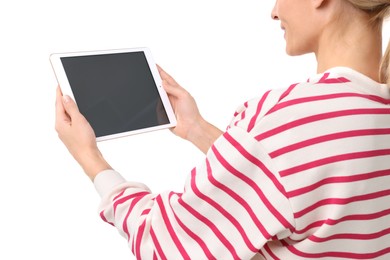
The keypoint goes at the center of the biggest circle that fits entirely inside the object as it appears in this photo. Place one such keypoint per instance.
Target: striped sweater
(300, 173)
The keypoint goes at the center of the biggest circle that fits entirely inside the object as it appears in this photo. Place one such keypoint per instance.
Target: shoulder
(298, 98)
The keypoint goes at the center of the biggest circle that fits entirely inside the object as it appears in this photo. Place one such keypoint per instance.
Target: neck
(355, 46)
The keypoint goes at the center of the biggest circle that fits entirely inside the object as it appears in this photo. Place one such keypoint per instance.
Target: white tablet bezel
(66, 89)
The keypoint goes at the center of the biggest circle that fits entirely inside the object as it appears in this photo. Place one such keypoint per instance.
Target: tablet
(118, 91)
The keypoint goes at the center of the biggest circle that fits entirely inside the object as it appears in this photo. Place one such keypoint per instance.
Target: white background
(223, 51)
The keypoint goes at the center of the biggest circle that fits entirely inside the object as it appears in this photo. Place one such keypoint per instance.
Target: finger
(70, 106)
(58, 95)
(172, 90)
(160, 70)
(59, 90)
(166, 76)
(170, 85)
(60, 110)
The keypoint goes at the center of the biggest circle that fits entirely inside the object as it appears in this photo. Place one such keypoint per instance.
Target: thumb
(70, 106)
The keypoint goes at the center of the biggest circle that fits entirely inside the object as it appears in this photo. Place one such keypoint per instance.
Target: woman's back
(329, 139)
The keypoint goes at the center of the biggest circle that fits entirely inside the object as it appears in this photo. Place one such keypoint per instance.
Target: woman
(300, 173)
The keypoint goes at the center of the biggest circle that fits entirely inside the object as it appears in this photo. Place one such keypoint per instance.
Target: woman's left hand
(78, 136)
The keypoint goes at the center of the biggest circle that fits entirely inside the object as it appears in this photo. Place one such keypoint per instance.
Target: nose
(274, 13)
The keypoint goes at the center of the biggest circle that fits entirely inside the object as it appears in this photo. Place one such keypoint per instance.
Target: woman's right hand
(183, 104)
(190, 124)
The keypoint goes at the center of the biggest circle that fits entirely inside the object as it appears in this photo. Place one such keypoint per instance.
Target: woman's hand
(78, 136)
(190, 124)
(183, 104)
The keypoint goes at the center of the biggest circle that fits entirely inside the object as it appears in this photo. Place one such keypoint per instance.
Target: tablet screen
(115, 92)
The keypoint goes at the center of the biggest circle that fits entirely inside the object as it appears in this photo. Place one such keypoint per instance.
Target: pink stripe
(287, 92)
(252, 184)
(157, 245)
(351, 236)
(320, 117)
(333, 159)
(342, 201)
(194, 236)
(269, 251)
(139, 239)
(212, 227)
(330, 137)
(356, 217)
(326, 80)
(171, 231)
(119, 195)
(340, 179)
(127, 198)
(124, 224)
(103, 217)
(324, 77)
(136, 243)
(224, 212)
(372, 255)
(239, 200)
(258, 111)
(315, 224)
(145, 212)
(137, 247)
(245, 105)
(262, 254)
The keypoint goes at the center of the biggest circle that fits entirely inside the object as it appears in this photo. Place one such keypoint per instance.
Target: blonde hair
(379, 10)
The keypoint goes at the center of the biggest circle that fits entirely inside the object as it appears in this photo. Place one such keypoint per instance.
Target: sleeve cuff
(106, 180)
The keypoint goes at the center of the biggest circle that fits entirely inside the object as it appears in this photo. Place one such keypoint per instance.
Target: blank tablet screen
(115, 92)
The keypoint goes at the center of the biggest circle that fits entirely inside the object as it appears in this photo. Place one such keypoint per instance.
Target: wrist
(93, 163)
(203, 135)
